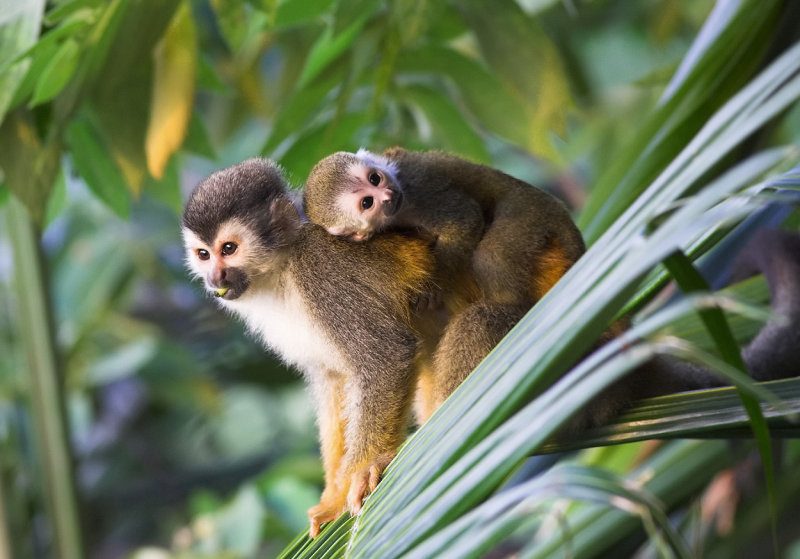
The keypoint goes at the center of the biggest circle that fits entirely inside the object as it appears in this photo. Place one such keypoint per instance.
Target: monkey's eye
(203, 254)
(366, 202)
(229, 248)
(374, 179)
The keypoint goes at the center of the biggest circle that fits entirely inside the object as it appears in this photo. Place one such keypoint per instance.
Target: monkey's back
(529, 240)
(360, 292)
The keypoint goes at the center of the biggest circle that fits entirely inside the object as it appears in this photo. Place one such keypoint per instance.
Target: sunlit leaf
(121, 99)
(173, 91)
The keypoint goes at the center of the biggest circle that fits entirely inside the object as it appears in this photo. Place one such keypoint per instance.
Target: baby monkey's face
(224, 264)
(368, 202)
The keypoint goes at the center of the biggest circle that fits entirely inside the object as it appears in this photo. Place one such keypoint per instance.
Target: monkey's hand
(427, 301)
(328, 510)
(365, 480)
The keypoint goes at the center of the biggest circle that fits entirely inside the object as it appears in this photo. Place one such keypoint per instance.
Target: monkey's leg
(468, 338)
(328, 395)
(377, 411)
(517, 260)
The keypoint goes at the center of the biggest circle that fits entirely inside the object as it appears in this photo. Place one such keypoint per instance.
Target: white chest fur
(282, 322)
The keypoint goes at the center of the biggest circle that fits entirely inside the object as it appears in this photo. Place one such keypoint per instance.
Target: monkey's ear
(394, 152)
(285, 218)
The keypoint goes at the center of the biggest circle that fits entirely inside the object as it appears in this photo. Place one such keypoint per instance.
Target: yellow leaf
(175, 64)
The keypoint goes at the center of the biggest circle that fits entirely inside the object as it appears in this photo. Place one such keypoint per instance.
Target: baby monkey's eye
(229, 248)
(366, 202)
(203, 254)
(374, 179)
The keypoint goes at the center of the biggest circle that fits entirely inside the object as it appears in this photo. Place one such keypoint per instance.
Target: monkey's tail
(774, 353)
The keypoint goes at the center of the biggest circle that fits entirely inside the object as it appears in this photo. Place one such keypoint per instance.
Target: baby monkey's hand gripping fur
(336, 310)
(516, 239)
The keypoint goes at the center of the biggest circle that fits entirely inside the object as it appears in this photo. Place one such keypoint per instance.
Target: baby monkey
(515, 239)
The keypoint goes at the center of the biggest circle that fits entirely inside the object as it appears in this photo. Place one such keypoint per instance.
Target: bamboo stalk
(44, 384)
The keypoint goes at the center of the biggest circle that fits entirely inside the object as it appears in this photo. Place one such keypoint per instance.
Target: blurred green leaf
(319, 142)
(172, 97)
(239, 523)
(30, 166)
(484, 95)
(57, 200)
(302, 106)
(91, 159)
(121, 99)
(293, 12)
(329, 47)
(349, 11)
(208, 78)
(534, 74)
(197, 139)
(57, 73)
(19, 27)
(168, 189)
(448, 129)
(68, 9)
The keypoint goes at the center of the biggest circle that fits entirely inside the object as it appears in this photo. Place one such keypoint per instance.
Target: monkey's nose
(218, 277)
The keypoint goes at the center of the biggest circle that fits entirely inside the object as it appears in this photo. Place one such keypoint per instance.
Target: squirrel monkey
(336, 310)
(517, 240)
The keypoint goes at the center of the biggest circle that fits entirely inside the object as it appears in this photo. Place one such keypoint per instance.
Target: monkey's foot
(365, 480)
(322, 513)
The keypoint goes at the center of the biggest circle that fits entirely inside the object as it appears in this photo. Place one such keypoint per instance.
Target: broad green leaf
(329, 47)
(173, 91)
(92, 161)
(446, 125)
(542, 88)
(484, 95)
(298, 109)
(19, 27)
(320, 141)
(294, 12)
(57, 73)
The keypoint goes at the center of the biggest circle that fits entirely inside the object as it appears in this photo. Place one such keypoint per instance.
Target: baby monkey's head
(353, 195)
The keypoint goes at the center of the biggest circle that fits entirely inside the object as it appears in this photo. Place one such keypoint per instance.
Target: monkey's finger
(315, 527)
(355, 498)
(374, 477)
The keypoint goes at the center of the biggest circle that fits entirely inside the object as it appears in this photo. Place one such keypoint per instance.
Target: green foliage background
(183, 435)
